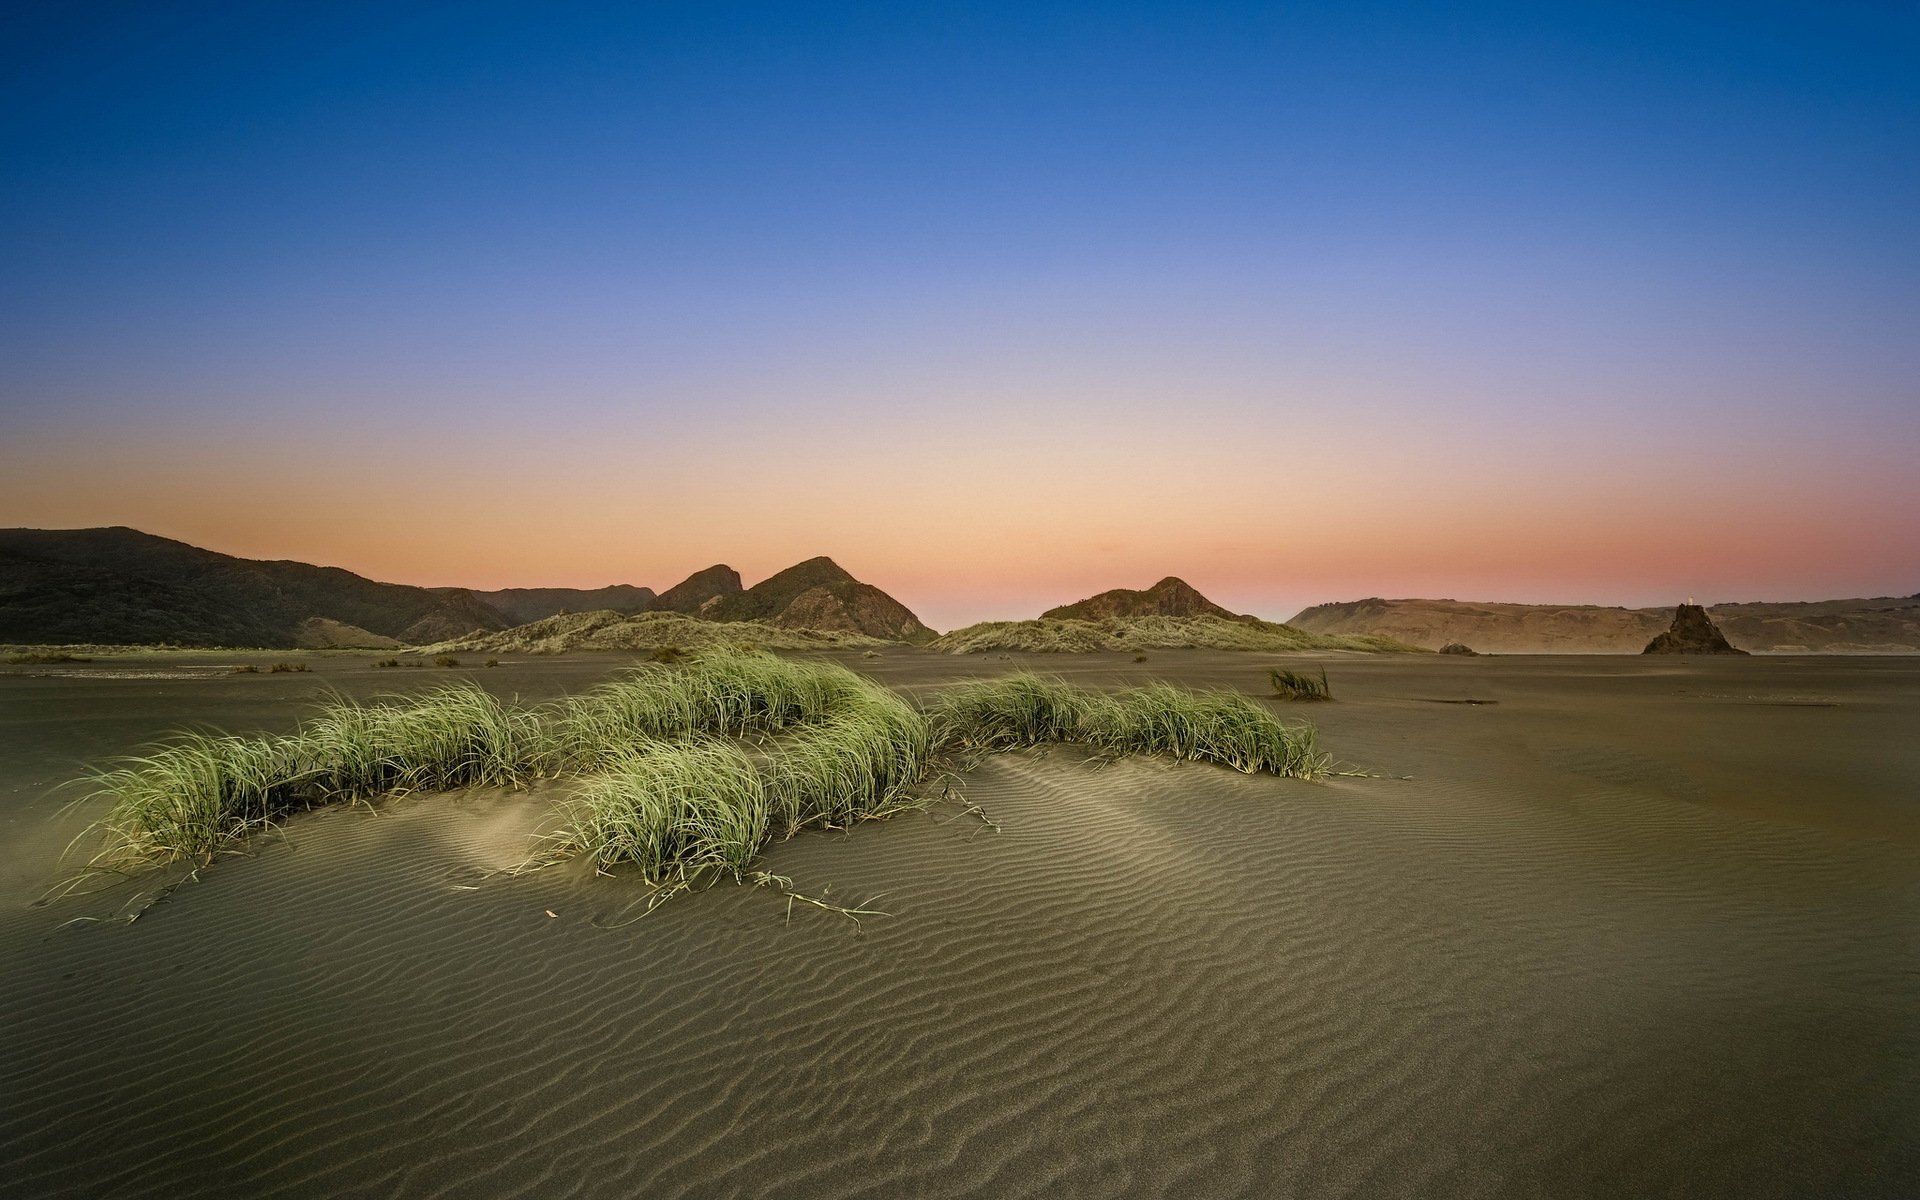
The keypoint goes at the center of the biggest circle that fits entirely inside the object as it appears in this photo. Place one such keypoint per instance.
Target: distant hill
(1170, 597)
(819, 594)
(1170, 615)
(1864, 626)
(520, 605)
(1053, 635)
(648, 631)
(118, 586)
(698, 590)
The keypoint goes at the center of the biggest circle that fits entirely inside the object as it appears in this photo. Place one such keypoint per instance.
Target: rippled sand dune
(1619, 929)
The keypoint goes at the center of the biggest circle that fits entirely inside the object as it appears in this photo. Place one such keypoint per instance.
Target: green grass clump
(445, 660)
(45, 658)
(672, 809)
(187, 797)
(190, 795)
(1221, 727)
(727, 694)
(1008, 713)
(387, 662)
(858, 763)
(687, 769)
(842, 749)
(457, 735)
(1299, 685)
(246, 669)
(283, 668)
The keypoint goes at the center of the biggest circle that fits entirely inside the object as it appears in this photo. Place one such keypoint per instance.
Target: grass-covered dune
(676, 769)
(648, 631)
(1052, 635)
(992, 715)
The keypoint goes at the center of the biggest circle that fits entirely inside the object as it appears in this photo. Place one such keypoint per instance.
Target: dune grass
(861, 762)
(725, 694)
(672, 809)
(189, 796)
(681, 769)
(1227, 728)
(1300, 685)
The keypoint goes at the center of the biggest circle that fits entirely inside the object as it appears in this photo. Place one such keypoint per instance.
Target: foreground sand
(1636, 929)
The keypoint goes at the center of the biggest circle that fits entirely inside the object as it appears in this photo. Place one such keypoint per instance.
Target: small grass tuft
(45, 658)
(246, 669)
(283, 668)
(1298, 685)
(445, 660)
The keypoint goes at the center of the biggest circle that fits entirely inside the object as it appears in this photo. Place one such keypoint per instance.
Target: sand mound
(1050, 635)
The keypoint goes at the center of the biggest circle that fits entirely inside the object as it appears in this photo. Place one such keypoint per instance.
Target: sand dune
(1632, 930)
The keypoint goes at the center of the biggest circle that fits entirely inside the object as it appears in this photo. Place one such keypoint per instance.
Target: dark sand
(1637, 929)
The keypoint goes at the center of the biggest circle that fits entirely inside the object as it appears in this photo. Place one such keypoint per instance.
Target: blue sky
(1108, 270)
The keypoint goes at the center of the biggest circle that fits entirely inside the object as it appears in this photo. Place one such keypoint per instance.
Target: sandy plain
(1624, 927)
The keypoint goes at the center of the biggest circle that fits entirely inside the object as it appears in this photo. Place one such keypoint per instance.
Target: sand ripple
(1566, 971)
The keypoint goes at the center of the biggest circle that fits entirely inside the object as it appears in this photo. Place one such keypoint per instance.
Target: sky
(998, 305)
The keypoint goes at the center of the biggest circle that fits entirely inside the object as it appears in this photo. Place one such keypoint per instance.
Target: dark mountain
(1170, 597)
(521, 605)
(1692, 632)
(818, 594)
(698, 590)
(119, 586)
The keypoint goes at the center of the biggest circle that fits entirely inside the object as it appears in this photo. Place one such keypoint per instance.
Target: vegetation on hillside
(1054, 636)
(648, 631)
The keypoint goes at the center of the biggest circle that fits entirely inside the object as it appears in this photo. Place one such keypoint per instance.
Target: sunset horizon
(1605, 308)
(990, 601)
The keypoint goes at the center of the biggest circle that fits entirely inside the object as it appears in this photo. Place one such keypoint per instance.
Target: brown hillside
(1171, 597)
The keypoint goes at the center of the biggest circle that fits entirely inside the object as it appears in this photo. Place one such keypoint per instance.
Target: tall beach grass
(189, 795)
(681, 769)
(1227, 728)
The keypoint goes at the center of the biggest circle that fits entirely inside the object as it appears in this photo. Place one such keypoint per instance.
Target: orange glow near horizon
(990, 528)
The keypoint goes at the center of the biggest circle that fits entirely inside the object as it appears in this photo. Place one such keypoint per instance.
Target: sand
(1634, 928)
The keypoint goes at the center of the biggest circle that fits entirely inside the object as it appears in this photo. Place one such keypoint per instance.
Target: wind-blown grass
(1299, 685)
(991, 715)
(685, 769)
(670, 808)
(859, 763)
(197, 791)
(724, 694)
